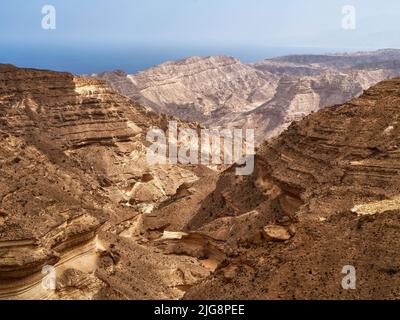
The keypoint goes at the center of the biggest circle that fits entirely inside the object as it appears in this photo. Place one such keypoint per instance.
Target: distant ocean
(81, 60)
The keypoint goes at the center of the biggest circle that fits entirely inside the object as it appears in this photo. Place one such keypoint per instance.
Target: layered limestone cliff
(46, 213)
(197, 89)
(266, 96)
(81, 123)
(324, 196)
(73, 167)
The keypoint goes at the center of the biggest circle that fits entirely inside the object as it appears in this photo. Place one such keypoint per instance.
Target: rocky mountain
(83, 215)
(197, 88)
(74, 175)
(266, 96)
(324, 196)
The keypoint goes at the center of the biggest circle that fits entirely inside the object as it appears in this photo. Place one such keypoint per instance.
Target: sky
(95, 35)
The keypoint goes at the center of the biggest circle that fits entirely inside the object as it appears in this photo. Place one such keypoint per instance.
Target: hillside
(74, 176)
(324, 195)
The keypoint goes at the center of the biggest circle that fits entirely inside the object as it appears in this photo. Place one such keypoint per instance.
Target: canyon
(78, 195)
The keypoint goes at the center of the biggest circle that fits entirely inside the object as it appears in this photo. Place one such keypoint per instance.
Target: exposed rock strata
(77, 194)
(332, 182)
(266, 96)
(72, 162)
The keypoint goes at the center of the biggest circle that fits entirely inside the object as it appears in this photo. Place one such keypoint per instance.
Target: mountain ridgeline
(267, 96)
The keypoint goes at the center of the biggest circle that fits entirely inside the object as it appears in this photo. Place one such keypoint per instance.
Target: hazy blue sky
(106, 25)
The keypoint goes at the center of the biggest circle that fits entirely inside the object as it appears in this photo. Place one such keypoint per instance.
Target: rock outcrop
(74, 174)
(82, 124)
(48, 217)
(328, 189)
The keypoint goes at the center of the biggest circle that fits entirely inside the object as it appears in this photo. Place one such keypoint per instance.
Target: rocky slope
(74, 175)
(222, 92)
(324, 195)
(45, 213)
(82, 123)
(197, 89)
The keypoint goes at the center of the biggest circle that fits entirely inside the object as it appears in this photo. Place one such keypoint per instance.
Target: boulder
(276, 233)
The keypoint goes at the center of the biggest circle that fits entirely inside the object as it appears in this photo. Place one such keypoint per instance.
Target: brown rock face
(49, 217)
(73, 163)
(331, 184)
(80, 122)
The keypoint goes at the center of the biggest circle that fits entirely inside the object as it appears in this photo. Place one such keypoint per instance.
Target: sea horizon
(95, 59)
